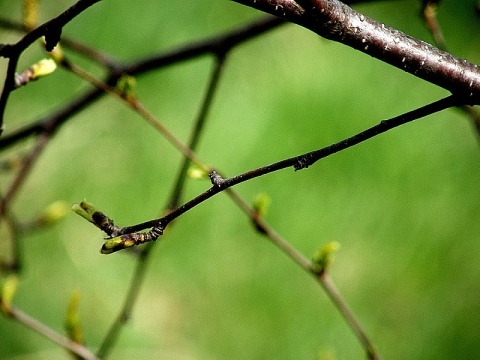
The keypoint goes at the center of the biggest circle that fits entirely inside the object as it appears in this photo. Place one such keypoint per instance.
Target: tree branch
(336, 21)
(130, 235)
(81, 351)
(52, 31)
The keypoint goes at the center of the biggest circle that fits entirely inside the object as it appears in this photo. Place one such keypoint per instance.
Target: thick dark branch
(336, 21)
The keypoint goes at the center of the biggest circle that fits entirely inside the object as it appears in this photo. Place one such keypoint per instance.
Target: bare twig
(129, 236)
(27, 164)
(298, 162)
(145, 252)
(332, 291)
(331, 19)
(132, 295)
(52, 30)
(47, 332)
(196, 133)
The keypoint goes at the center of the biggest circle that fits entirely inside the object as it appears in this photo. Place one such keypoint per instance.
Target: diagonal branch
(79, 350)
(336, 21)
(132, 235)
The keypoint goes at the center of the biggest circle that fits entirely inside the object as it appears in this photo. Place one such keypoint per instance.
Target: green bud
(126, 86)
(72, 320)
(7, 292)
(197, 172)
(261, 204)
(324, 257)
(30, 13)
(42, 68)
(53, 213)
(57, 54)
(117, 243)
(85, 210)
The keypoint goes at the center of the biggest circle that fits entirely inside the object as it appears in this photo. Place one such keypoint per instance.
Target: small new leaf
(42, 68)
(72, 321)
(85, 210)
(126, 87)
(261, 204)
(324, 257)
(30, 13)
(7, 292)
(53, 213)
(197, 172)
(118, 243)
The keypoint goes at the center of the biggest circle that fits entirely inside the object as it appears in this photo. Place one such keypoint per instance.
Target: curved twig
(297, 162)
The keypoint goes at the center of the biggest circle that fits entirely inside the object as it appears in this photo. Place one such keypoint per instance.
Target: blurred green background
(404, 206)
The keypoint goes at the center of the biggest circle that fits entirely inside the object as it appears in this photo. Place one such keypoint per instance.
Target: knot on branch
(104, 223)
(302, 162)
(286, 6)
(6, 50)
(52, 36)
(216, 179)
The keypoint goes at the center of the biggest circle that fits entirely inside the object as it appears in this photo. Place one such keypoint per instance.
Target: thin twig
(220, 48)
(212, 45)
(49, 333)
(21, 176)
(130, 300)
(14, 263)
(298, 162)
(196, 133)
(215, 45)
(337, 299)
(144, 254)
(52, 30)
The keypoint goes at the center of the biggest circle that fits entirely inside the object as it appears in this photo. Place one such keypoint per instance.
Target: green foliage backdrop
(404, 206)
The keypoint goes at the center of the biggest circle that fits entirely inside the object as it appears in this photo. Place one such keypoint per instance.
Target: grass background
(404, 206)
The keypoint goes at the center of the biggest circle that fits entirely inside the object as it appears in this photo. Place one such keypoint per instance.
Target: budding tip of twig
(216, 179)
(302, 162)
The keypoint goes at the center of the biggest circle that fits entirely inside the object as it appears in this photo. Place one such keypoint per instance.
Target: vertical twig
(144, 254)
(197, 131)
(132, 295)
